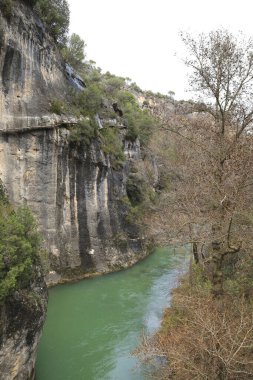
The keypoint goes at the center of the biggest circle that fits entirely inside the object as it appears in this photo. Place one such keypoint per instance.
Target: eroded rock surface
(32, 73)
(76, 195)
(21, 320)
(78, 198)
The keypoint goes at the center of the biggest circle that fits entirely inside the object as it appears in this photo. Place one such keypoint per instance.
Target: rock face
(21, 320)
(31, 71)
(78, 198)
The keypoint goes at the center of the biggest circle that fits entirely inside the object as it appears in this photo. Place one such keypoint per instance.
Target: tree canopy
(222, 72)
(73, 53)
(211, 154)
(56, 16)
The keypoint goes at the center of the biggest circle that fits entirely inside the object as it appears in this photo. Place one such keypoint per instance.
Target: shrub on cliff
(55, 14)
(139, 122)
(19, 247)
(112, 145)
(31, 3)
(90, 101)
(84, 132)
(106, 95)
(73, 52)
(112, 84)
(6, 8)
(57, 106)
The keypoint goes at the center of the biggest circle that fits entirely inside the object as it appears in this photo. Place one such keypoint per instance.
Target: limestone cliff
(77, 196)
(32, 72)
(75, 193)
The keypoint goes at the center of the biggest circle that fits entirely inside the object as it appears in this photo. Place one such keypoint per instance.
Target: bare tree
(210, 199)
(203, 341)
(205, 155)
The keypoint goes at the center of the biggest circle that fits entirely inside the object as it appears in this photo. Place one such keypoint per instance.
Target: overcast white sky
(139, 38)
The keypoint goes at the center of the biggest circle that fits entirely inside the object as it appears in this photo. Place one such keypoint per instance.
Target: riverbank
(202, 337)
(76, 274)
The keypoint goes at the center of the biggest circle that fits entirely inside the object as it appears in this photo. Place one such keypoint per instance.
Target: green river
(93, 325)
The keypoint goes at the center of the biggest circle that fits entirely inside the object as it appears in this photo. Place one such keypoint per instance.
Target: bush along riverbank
(203, 337)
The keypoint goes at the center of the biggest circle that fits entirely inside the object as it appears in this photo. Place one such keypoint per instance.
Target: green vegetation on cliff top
(54, 13)
(107, 97)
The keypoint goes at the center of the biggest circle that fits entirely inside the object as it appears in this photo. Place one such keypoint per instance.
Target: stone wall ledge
(34, 123)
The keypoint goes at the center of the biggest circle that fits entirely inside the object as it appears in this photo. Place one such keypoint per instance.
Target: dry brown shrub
(202, 339)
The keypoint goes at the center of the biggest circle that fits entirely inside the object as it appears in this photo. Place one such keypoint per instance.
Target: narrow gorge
(80, 199)
(96, 174)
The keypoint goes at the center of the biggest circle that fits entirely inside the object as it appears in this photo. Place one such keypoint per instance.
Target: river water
(93, 325)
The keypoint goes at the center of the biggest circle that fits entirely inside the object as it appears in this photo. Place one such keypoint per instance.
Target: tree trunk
(217, 273)
(195, 252)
